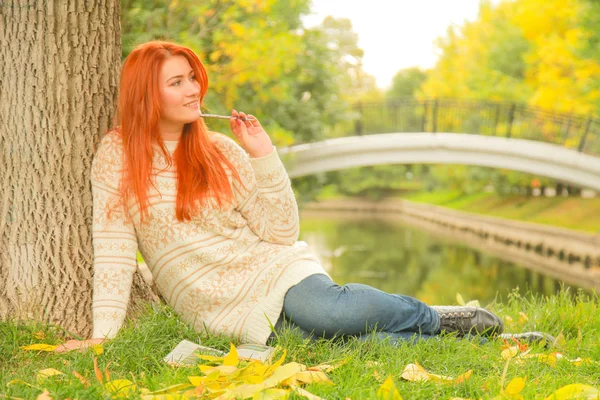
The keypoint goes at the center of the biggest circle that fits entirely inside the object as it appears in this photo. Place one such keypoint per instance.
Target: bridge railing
(510, 120)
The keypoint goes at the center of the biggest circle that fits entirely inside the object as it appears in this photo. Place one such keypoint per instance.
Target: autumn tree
(58, 90)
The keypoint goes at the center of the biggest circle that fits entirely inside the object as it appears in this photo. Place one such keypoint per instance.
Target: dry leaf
(416, 373)
(39, 335)
(82, 379)
(388, 390)
(463, 377)
(97, 371)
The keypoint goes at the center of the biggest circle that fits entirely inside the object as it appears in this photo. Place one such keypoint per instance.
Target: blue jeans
(317, 307)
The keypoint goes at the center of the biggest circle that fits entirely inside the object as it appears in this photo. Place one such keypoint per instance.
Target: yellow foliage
(388, 390)
(550, 36)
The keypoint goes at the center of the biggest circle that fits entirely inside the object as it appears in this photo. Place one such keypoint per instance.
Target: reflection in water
(398, 258)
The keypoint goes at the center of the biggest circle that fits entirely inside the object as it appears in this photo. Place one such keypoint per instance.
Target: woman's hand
(71, 345)
(251, 135)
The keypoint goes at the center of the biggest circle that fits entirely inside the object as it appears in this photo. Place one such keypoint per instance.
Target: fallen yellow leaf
(46, 373)
(120, 388)
(40, 347)
(97, 348)
(283, 372)
(575, 391)
(272, 394)
(388, 390)
(231, 359)
(515, 386)
(416, 373)
(313, 377)
(328, 367)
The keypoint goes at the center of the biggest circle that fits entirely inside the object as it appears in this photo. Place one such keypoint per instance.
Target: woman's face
(178, 88)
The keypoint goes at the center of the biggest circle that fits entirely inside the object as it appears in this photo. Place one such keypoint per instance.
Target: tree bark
(59, 79)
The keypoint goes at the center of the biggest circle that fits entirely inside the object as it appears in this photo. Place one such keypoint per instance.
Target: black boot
(468, 320)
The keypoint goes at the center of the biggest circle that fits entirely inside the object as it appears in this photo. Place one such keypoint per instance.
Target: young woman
(217, 223)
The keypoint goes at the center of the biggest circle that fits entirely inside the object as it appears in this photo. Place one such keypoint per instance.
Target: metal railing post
(496, 119)
(584, 136)
(424, 121)
(434, 116)
(358, 124)
(511, 117)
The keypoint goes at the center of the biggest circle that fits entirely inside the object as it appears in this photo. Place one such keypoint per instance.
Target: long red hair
(199, 163)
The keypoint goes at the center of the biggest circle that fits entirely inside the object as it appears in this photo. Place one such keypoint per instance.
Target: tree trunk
(59, 69)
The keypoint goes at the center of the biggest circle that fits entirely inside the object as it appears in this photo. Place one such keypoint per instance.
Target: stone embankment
(564, 254)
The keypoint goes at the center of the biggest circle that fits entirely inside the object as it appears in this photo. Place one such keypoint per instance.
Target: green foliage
(260, 59)
(406, 83)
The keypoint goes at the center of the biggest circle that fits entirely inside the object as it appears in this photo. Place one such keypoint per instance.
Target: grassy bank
(136, 355)
(567, 212)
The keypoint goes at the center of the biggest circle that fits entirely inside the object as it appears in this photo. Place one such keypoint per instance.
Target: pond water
(398, 258)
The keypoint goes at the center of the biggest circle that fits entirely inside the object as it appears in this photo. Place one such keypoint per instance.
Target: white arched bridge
(561, 147)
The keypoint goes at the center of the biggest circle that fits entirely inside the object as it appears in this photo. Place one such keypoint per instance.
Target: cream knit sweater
(225, 270)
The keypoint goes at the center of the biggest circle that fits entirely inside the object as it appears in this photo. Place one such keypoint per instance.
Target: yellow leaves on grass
(229, 378)
(575, 391)
(519, 356)
(388, 391)
(416, 373)
(46, 373)
(96, 348)
(40, 347)
(514, 388)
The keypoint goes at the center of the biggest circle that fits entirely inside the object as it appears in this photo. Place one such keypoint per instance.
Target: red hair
(198, 161)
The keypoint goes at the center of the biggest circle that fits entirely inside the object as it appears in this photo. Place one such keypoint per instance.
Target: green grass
(137, 352)
(567, 212)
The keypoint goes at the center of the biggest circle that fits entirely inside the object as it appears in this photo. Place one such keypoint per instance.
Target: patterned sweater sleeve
(264, 196)
(114, 242)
